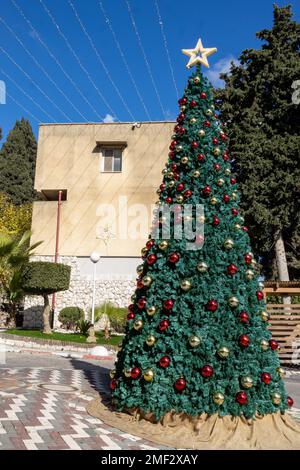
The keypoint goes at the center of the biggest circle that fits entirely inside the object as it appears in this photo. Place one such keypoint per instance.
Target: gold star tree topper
(199, 54)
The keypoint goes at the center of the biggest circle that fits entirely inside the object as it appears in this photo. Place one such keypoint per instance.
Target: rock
(99, 351)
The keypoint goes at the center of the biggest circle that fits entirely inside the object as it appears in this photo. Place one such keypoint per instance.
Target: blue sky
(96, 82)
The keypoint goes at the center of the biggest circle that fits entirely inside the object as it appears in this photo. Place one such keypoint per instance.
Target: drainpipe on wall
(56, 248)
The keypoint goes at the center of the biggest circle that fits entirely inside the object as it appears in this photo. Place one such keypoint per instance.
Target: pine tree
(17, 163)
(263, 124)
(197, 338)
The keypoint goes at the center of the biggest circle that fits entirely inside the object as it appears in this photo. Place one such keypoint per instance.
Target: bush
(83, 326)
(116, 315)
(69, 316)
(40, 278)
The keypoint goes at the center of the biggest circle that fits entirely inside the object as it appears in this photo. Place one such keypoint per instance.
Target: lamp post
(94, 257)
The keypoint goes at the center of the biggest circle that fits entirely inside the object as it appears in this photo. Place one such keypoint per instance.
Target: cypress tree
(263, 124)
(17, 163)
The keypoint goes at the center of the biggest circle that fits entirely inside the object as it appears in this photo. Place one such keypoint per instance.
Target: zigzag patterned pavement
(36, 418)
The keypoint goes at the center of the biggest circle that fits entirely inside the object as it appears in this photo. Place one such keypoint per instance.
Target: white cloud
(222, 66)
(109, 118)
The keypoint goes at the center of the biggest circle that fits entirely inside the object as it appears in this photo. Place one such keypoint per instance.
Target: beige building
(108, 174)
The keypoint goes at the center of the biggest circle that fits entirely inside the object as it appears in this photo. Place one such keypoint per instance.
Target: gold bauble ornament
(237, 227)
(234, 196)
(150, 340)
(127, 373)
(249, 274)
(201, 219)
(201, 133)
(247, 382)
(185, 285)
(213, 201)
(148, 375)
(218, 398)
(163, 218)
(202, 267)
(241, 219)
(182, 108)
(227, 171)
(217, 151)
(264, 344)
(233, 301)
(276, 398)
(144, 251)
(223, 352)
(188, 218)
(228, 244)
(196, 174)
(158, 191)
(194, 341)
(281, 372)
(179, 148)
(208, 112)
(133, 298)
(264, 315)
(254, 263)
(163, 245)
(170, 174)
(112, 373)
(140, 269)
(147, 280)
(164, 171)
(171, 184)
(197, 79)
(184, 160)
(151, 310)
(193, 120)
(220, 182)
(179, 198)
(138, 325)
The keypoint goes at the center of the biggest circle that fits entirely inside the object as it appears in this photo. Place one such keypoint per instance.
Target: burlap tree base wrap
(179, 431)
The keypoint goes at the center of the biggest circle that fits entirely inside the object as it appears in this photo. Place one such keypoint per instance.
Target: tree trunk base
(180, 431)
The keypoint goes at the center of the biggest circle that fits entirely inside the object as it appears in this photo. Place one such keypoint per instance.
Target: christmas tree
(197, 338)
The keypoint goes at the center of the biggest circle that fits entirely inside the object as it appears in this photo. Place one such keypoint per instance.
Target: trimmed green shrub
(42, 277)
(83, 326)
(116, 315)
(69, 316)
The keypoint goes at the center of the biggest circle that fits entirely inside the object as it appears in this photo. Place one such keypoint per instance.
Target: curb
(66, 354)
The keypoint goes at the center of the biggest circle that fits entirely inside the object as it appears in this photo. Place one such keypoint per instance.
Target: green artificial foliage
(263, 122)
(17, 163)
(191, 315)
(44, 278)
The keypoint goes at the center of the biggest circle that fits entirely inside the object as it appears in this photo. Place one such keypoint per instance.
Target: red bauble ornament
(193, 104)
(216, 221)
(232, 180)
(182, 101)
(164, 361)
(141, 302)
(217, 166)
(259, 295)
(226, 198)
(188, 193)
(206, 123)
(162, 186)
(173, 167)
(173, 144)
(168, 304)
(181, 117)
(151, 259)
(173, 258)
(181, 130)
(206, 190)
(232, 269)
(273, 344)
(212, 305)
(223, 136)
(113, 384)
(169, 200)
(244, 317)
(176, 175)
(245, 228)
(207, 371)
(290, 401)
(140, 284)
(234, 212)
(247, 258)
(265, 378)
(149, 244)
(180, 384)
(130, 308)
(203, 95)
(163, 325)
(226, 158)
(130, 316)
(180, 187)
(215, 141)
(244, 341)
(135, 373)
(241, 398)
(171, 155)
(200, 157)
(194, 145)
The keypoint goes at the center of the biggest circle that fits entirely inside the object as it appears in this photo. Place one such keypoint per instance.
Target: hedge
(42, 277)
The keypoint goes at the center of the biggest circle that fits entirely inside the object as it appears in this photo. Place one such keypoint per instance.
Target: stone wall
(79, 293)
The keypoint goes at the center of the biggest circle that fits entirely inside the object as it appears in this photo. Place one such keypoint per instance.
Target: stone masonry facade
(79, 294)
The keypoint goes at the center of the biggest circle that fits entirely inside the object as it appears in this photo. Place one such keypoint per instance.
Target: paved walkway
(43, 405)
